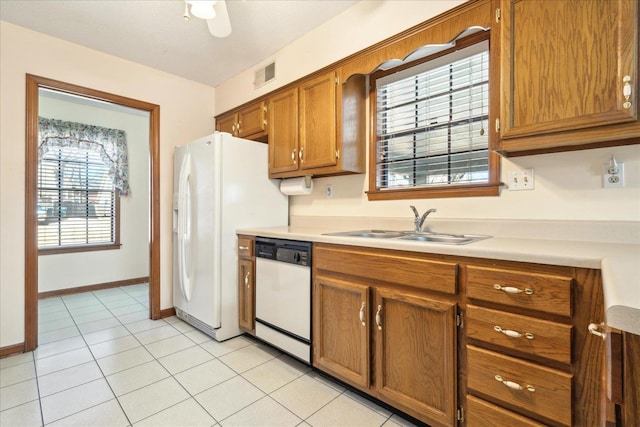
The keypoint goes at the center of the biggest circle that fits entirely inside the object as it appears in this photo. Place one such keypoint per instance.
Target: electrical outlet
(610, 180)
(328, 190)
(521, 180)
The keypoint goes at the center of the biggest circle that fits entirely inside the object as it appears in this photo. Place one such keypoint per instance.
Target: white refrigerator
(220, 184)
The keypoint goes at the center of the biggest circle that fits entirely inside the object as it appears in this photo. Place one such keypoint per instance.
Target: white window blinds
(76, 199)
(432, 122)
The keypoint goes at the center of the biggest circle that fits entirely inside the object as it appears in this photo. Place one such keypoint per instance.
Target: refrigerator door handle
(184, 227)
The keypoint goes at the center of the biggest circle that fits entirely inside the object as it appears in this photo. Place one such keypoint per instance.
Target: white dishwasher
(283, 295)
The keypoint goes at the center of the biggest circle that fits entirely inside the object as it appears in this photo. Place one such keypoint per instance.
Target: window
(77, 201)
(432, 136)
(82, 171)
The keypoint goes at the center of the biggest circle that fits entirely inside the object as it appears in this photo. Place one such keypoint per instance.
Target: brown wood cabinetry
(566, 67)
(249, 122)
(246, 284)
(283, 132)
(317, 127)
(384, 334)
(623, 374)
(529, 351)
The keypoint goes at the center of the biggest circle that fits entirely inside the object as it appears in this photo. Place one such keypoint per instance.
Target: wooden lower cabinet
(529, 352)
(459, 341)
(416, 353)
(398, 345)
(246, 285)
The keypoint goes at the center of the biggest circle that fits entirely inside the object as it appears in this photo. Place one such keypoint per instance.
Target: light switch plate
(521, 180)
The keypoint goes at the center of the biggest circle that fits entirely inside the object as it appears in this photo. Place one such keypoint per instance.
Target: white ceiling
(154, 33)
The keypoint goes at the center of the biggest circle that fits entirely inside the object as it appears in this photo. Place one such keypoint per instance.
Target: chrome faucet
(419, 220)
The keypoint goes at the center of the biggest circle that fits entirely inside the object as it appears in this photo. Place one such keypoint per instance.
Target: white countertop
(619, 262)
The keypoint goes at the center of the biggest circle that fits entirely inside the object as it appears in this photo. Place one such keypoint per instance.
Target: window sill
(476, 190)
(73, 249)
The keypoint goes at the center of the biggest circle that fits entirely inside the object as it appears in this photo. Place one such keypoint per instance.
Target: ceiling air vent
(264, 75)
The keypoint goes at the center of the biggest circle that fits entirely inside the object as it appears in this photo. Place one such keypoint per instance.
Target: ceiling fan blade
(220, 26)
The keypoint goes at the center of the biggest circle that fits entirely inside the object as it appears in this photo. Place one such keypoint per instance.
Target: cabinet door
(564, 65)
(246, 295)
(416, 353)
(226, 124)
(283, 132)
(318, 122)
(341, 329)
(252, 120)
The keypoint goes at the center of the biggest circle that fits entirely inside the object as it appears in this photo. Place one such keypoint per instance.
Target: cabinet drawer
(245, 247)
(526, 334)
(481, 414)
(535, 291)
(532, 388)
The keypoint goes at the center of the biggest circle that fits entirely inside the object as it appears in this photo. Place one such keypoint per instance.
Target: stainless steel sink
(450, 239)
(380, 234)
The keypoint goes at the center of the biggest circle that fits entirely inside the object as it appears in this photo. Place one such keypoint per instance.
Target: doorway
(33, 86)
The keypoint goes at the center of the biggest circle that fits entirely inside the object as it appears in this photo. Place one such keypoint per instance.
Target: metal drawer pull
(512, 290)
(246, 279)
(513, 334)
(626, 91)
(362, 314)
(243, 248)
(514, 385)
(593, 328)
(379, 317)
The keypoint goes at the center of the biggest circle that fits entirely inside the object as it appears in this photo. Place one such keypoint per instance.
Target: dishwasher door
(283, 306)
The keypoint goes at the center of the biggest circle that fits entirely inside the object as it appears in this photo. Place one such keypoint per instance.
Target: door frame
(33, 84)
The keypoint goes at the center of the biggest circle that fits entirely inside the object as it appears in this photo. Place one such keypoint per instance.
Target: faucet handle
(415, 211)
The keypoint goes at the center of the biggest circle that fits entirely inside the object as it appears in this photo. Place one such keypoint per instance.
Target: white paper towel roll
(296, 186)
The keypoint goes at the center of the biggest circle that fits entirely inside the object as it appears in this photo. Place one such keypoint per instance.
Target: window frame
(89, 247)
(489, 188)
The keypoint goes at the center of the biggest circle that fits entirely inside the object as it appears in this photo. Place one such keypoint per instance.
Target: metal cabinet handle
(293, 156)
(513, 334)
(300, 155)
(514, 385)
(626, 92)
(243, 248)
(362, 307)
(593, 328)
(379, 317)
(246, 278)
(512, 290)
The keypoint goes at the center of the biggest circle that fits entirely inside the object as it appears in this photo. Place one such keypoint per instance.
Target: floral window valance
(111, 144)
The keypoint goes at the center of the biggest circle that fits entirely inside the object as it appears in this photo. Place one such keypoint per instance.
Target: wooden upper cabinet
(252, 120)
(283, 132)
(249, 122)
(227, 123)
(317, 109)
(318, 127)
(565, 66)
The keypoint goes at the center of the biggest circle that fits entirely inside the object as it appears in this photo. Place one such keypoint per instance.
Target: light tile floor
(102, 362)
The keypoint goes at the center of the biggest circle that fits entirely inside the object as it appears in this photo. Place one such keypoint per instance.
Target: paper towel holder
(307, 181)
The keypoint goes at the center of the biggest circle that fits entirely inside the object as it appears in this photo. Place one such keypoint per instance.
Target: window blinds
(432, 122)
(76, 199)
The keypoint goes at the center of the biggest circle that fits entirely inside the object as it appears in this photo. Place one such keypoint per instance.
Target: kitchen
(568, 195)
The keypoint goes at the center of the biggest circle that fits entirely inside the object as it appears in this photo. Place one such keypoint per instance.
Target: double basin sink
(449, 239)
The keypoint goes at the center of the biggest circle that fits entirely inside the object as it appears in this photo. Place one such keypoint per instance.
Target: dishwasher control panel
(289, 251)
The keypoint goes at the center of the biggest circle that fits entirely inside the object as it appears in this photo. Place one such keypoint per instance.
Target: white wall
(69, 270)
(186, 113)
(567, 187)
